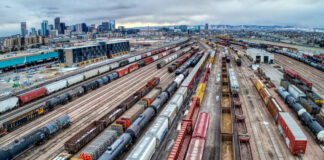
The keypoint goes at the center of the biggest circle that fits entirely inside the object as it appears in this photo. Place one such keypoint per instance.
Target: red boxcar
(291, 73)
(196, 149)
(122, 72)
(132, 67)
(201, 126)
(148, 60)
(32, 95)
(294, 136)
(144, 55)
(305, 81)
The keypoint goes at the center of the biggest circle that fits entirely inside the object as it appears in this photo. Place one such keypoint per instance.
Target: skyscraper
(112, 25)
(23, 29)
(105, 26)
(84, 27)
(33, 31)
(50, 27)
(206, 26)
(62, 28)
(45, 28)
(57, 23)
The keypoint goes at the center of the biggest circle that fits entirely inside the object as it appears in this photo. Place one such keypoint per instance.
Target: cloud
(307, 13)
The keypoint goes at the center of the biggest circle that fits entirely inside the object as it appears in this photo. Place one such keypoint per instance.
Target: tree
(22, 48)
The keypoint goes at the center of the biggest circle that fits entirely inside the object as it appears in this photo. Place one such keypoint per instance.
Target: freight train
(35, 137)
(22, 99)
(179, 62)
(303, 115)
(12, 122)
(132, 132)
(188, 123)
(287, 126)
(84, 136)
(155, 133)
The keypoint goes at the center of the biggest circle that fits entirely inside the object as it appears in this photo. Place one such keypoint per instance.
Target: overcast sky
(130, 13)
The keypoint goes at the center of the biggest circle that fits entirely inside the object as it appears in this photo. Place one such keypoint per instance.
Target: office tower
(57, 23)
(206, 26)
(112, 25)
(84, 27)
(23, 29)
(33, 31)
(45, 28)
(50, 27)
(62, 28)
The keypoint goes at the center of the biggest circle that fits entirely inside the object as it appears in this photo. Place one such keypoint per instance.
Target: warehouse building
(260, 56)
(85, 55)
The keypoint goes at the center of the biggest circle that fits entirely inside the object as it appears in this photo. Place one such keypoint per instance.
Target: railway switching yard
(193, 98)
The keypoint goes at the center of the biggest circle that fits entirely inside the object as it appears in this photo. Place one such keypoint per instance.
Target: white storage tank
(179, 79)
(90, 73)
(75, 79)
(55, 86)
(144, 150)
(8, 104)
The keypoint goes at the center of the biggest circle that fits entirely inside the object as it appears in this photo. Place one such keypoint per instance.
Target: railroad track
(266, 145)
(35, 104)
(86, 69)
(55, 145)
(316, 76)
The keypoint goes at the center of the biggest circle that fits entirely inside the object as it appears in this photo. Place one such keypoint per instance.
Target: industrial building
(84, 55)
(260, 56)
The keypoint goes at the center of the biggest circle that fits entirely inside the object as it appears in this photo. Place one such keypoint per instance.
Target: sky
(134, 13)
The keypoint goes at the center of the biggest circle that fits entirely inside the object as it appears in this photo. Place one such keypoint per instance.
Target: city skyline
(161, 13)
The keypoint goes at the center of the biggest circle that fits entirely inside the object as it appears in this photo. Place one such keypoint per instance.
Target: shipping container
(293, 135)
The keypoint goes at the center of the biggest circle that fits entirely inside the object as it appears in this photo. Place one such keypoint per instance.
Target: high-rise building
(105, 26)
(33, 31)
(62, 28)
(57, 23)
(84, 27)
(112, 25)
(73, 28)
(23, 29)
(45, 28)
(206, 26)
(50, 27)
(78, 28)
